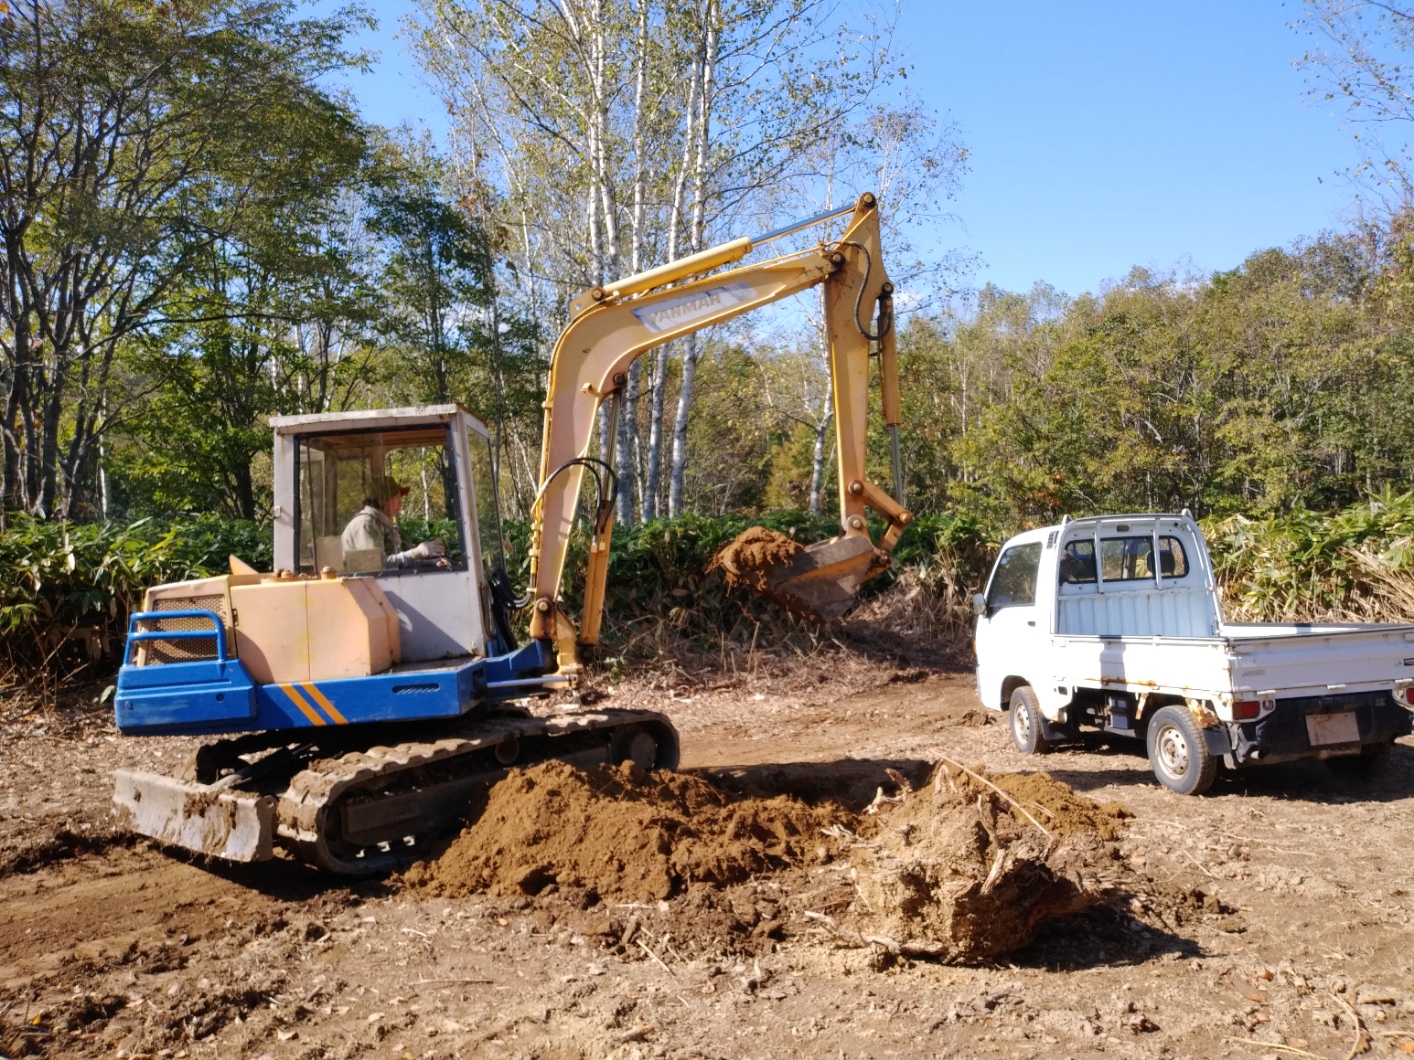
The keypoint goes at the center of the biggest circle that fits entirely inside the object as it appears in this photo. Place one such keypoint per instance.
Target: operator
(375, 526)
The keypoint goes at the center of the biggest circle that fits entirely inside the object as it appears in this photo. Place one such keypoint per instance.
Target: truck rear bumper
(1319, 727)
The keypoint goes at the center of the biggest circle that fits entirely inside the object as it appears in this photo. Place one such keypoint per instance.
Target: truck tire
(1178, 752)
(1372, 760)
(1025, 722)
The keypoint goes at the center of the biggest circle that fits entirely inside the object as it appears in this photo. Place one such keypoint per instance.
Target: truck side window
(1173, 561)
(1077, 563)
(1014, 580)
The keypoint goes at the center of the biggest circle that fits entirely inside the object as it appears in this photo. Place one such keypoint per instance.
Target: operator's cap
(388, 488)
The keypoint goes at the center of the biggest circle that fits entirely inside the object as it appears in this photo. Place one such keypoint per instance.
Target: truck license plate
(1327, 729)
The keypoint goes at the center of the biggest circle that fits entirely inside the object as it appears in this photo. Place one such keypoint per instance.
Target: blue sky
(1103, 134)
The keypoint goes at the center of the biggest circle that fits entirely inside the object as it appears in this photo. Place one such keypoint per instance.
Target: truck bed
(1249, 660)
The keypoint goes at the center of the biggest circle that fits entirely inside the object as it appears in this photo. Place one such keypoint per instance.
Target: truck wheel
(1026, 723)
(1372, 760)
(1178, 752)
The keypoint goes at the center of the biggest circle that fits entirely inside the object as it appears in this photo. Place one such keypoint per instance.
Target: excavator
(360, 701)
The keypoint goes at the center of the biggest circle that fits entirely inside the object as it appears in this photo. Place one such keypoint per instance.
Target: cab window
(343, 475)
(1014, 579)
(488, 502)
(1122, 559)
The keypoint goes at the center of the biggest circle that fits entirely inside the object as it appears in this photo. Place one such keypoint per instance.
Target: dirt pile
(958, 871)
(1056, 806)
(622, 833)
(964, 869)
(750, 557)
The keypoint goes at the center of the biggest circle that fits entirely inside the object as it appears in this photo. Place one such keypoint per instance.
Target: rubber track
(302, 812)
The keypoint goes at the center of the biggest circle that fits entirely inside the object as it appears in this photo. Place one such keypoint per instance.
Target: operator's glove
(425, 551)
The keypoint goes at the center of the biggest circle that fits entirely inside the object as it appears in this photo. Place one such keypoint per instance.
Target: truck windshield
(1122, 559)
(1014, 580)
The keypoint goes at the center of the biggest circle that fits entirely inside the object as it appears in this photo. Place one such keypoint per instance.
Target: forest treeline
(1271, 388)
(199, 231)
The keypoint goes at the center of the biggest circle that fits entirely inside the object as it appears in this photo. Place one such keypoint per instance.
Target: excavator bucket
(823, 580)
(818, 582)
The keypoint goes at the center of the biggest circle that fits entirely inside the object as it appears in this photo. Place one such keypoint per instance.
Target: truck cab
(1101, 580)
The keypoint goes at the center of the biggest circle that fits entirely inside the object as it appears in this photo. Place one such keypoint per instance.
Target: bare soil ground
(1275, 911)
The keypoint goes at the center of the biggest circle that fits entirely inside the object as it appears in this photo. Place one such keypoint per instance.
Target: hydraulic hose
(603, 500)
(886, 319)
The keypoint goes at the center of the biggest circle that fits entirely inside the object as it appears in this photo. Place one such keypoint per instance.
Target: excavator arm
(613, 326)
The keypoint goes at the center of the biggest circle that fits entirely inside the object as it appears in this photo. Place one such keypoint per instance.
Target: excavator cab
(435, 465)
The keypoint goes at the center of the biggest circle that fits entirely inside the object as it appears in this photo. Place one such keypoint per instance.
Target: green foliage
(1262, 390)
(186, 129)
(659, 585)
(1354, 564)
(66, 588)
(730, 442)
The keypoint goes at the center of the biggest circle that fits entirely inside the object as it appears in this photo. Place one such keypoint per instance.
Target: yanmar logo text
(675, 312)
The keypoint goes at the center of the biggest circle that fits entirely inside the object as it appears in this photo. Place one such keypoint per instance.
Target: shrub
(66, 588)
(1356, 564)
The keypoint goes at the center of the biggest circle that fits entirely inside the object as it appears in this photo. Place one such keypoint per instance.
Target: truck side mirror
(979, 605)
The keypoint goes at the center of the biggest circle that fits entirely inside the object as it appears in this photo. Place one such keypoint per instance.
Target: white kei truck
(1080, 626)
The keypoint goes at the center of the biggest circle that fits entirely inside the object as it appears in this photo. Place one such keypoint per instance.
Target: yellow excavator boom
(612, 326)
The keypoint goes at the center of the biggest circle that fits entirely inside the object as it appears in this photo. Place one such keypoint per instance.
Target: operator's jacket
(371, 528)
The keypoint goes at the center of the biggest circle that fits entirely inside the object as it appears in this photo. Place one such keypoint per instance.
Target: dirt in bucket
(957, 871)
(623, 834)
(750, 557)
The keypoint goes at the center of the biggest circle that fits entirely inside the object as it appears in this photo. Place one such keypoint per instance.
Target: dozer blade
(234, 825)
(823, 580)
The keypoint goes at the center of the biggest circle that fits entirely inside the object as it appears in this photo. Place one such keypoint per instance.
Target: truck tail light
(1246, 709)
(1409, 695)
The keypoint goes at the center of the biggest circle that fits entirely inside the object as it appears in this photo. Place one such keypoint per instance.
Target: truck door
(1009, 638)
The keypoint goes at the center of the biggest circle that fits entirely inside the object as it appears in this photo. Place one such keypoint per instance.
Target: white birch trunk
(658, 395)
(699, 206)
(821, 454)
(627, 450)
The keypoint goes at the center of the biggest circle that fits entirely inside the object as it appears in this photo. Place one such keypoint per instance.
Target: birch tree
(646, 124)
(1361, 58)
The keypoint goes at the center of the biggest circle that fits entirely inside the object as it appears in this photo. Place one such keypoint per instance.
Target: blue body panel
(217, 696)
(209, 696)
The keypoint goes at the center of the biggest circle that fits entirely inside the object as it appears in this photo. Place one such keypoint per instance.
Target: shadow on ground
(1127, 765)
(1104, 936)
(851, 782)
(291, 881)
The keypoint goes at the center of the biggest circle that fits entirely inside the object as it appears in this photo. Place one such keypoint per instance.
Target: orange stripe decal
(323, 701)
(299, 701)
